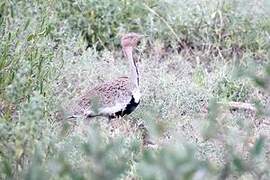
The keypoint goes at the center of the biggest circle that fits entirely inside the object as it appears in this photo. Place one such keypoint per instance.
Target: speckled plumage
(114, 94)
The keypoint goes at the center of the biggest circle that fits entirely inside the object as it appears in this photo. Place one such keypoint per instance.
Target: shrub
(230, 90)
(40, 70)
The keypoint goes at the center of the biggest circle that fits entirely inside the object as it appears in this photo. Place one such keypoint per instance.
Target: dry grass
(205, 94)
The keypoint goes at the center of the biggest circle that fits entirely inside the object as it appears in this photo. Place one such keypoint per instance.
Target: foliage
(100, 22)
(219, 27)
(232, 90)
(187, 65)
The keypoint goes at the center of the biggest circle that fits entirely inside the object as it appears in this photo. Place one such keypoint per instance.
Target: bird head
(130, 40)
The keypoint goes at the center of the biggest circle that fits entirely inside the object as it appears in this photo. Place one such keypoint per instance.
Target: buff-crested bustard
(114, 98)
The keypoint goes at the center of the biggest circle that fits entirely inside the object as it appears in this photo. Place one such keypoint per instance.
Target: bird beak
(141, 36)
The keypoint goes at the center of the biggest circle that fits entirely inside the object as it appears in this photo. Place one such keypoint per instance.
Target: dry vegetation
(205, 76)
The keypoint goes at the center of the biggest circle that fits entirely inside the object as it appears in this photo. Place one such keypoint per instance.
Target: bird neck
(134, 75)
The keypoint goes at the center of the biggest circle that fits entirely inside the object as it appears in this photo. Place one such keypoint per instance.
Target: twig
(239, 105)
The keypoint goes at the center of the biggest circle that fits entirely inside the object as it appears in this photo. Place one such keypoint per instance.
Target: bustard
(113, 98)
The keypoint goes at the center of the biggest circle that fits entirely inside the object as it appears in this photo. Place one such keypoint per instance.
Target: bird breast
(136, 95)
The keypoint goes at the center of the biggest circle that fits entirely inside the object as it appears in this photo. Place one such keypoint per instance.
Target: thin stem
(163, 20)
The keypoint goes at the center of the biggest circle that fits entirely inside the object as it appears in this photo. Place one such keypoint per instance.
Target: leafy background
(198, 59)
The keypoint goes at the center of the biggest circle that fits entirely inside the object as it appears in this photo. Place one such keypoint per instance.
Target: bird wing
(105, 99)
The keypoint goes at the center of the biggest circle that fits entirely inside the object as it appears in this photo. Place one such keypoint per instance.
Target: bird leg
(145, 135)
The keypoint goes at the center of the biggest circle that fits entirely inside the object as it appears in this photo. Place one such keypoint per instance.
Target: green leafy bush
(220, 27)
(100, 22)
